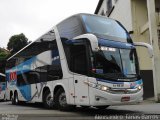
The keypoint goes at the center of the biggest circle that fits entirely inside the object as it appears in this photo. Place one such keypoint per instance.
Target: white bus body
(77, 64)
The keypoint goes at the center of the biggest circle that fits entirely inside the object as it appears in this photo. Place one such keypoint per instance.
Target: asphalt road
(146, 111)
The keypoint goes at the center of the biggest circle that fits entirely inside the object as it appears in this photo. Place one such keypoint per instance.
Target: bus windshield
(105, 27)
(115, 63)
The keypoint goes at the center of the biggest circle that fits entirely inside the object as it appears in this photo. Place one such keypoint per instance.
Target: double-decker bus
(85, 60)
(2, 86)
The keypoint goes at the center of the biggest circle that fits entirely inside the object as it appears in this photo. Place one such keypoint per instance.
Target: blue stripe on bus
(26, 92)
(23, 67)
(132, 84)
(108, 81)
(110, 43)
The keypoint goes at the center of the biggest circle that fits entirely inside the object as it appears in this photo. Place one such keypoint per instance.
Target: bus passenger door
(81, 90)
(79, 66)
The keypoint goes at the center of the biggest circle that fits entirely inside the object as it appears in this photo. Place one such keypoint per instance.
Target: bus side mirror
(148, 46)
(92, 39)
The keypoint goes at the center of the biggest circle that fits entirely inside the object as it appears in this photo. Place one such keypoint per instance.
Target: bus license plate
(125, 99)
(118, 85)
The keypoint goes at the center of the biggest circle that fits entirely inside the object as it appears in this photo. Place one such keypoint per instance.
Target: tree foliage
(3, 57)
(3, 54)
(17, 42)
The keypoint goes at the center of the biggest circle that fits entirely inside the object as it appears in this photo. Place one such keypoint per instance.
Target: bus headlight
(104, 88)
(139, 87)
(97, 86)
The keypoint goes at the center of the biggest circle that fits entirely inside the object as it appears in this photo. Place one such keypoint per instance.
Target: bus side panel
(2, 91)
(36, 78)
(24, 93)
(38, 90)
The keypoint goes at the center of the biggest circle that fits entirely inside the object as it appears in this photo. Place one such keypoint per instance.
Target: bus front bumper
(101, 98)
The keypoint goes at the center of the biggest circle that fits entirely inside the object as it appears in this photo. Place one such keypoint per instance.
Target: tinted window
(77, 56)
(105, 27)
(2, 78)
(43, 44)
(115, 63)
(39, 62)
(78, 59)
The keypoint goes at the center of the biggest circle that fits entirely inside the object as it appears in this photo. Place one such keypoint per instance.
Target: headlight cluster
(98, 86)
(114, 90)
(139, 87)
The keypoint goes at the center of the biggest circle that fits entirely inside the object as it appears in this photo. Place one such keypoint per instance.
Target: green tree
(3, 57)
(3, 54)
(17, 42)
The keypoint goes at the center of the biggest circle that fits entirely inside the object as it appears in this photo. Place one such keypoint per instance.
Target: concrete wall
(103, 8)
(139, 22)
(122, 13)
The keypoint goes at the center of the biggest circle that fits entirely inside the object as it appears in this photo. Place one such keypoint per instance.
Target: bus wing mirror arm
(92, 39)
(148, 46)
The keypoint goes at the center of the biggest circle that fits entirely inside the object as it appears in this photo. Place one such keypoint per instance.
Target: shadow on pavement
(86, 111)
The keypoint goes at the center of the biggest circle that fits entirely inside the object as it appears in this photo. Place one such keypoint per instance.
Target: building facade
(142, 19)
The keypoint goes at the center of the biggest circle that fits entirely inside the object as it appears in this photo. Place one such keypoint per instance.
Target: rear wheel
(47, 100)
(61, 102)
(14, 99)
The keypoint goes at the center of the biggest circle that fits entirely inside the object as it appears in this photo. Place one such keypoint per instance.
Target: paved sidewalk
(149, 101)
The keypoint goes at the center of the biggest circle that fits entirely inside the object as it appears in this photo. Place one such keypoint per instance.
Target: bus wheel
(47, 100)
(4, 99)
(102, 107)
(61, 102)
(12, 99)
(16, 101)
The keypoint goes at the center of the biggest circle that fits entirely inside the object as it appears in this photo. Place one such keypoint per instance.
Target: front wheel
(61, 102)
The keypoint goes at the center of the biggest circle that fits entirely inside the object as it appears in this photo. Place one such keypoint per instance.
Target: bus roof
(78, 16)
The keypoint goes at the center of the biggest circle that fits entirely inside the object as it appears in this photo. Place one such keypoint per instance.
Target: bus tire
(4, 99)
(16, 101)
(12, 100)
(61, 102)
(47, 100)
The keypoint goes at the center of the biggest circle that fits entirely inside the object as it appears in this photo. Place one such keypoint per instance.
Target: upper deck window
(105, 27)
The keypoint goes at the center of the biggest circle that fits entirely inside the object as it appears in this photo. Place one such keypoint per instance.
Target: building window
(109, 7)
(102, 13)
